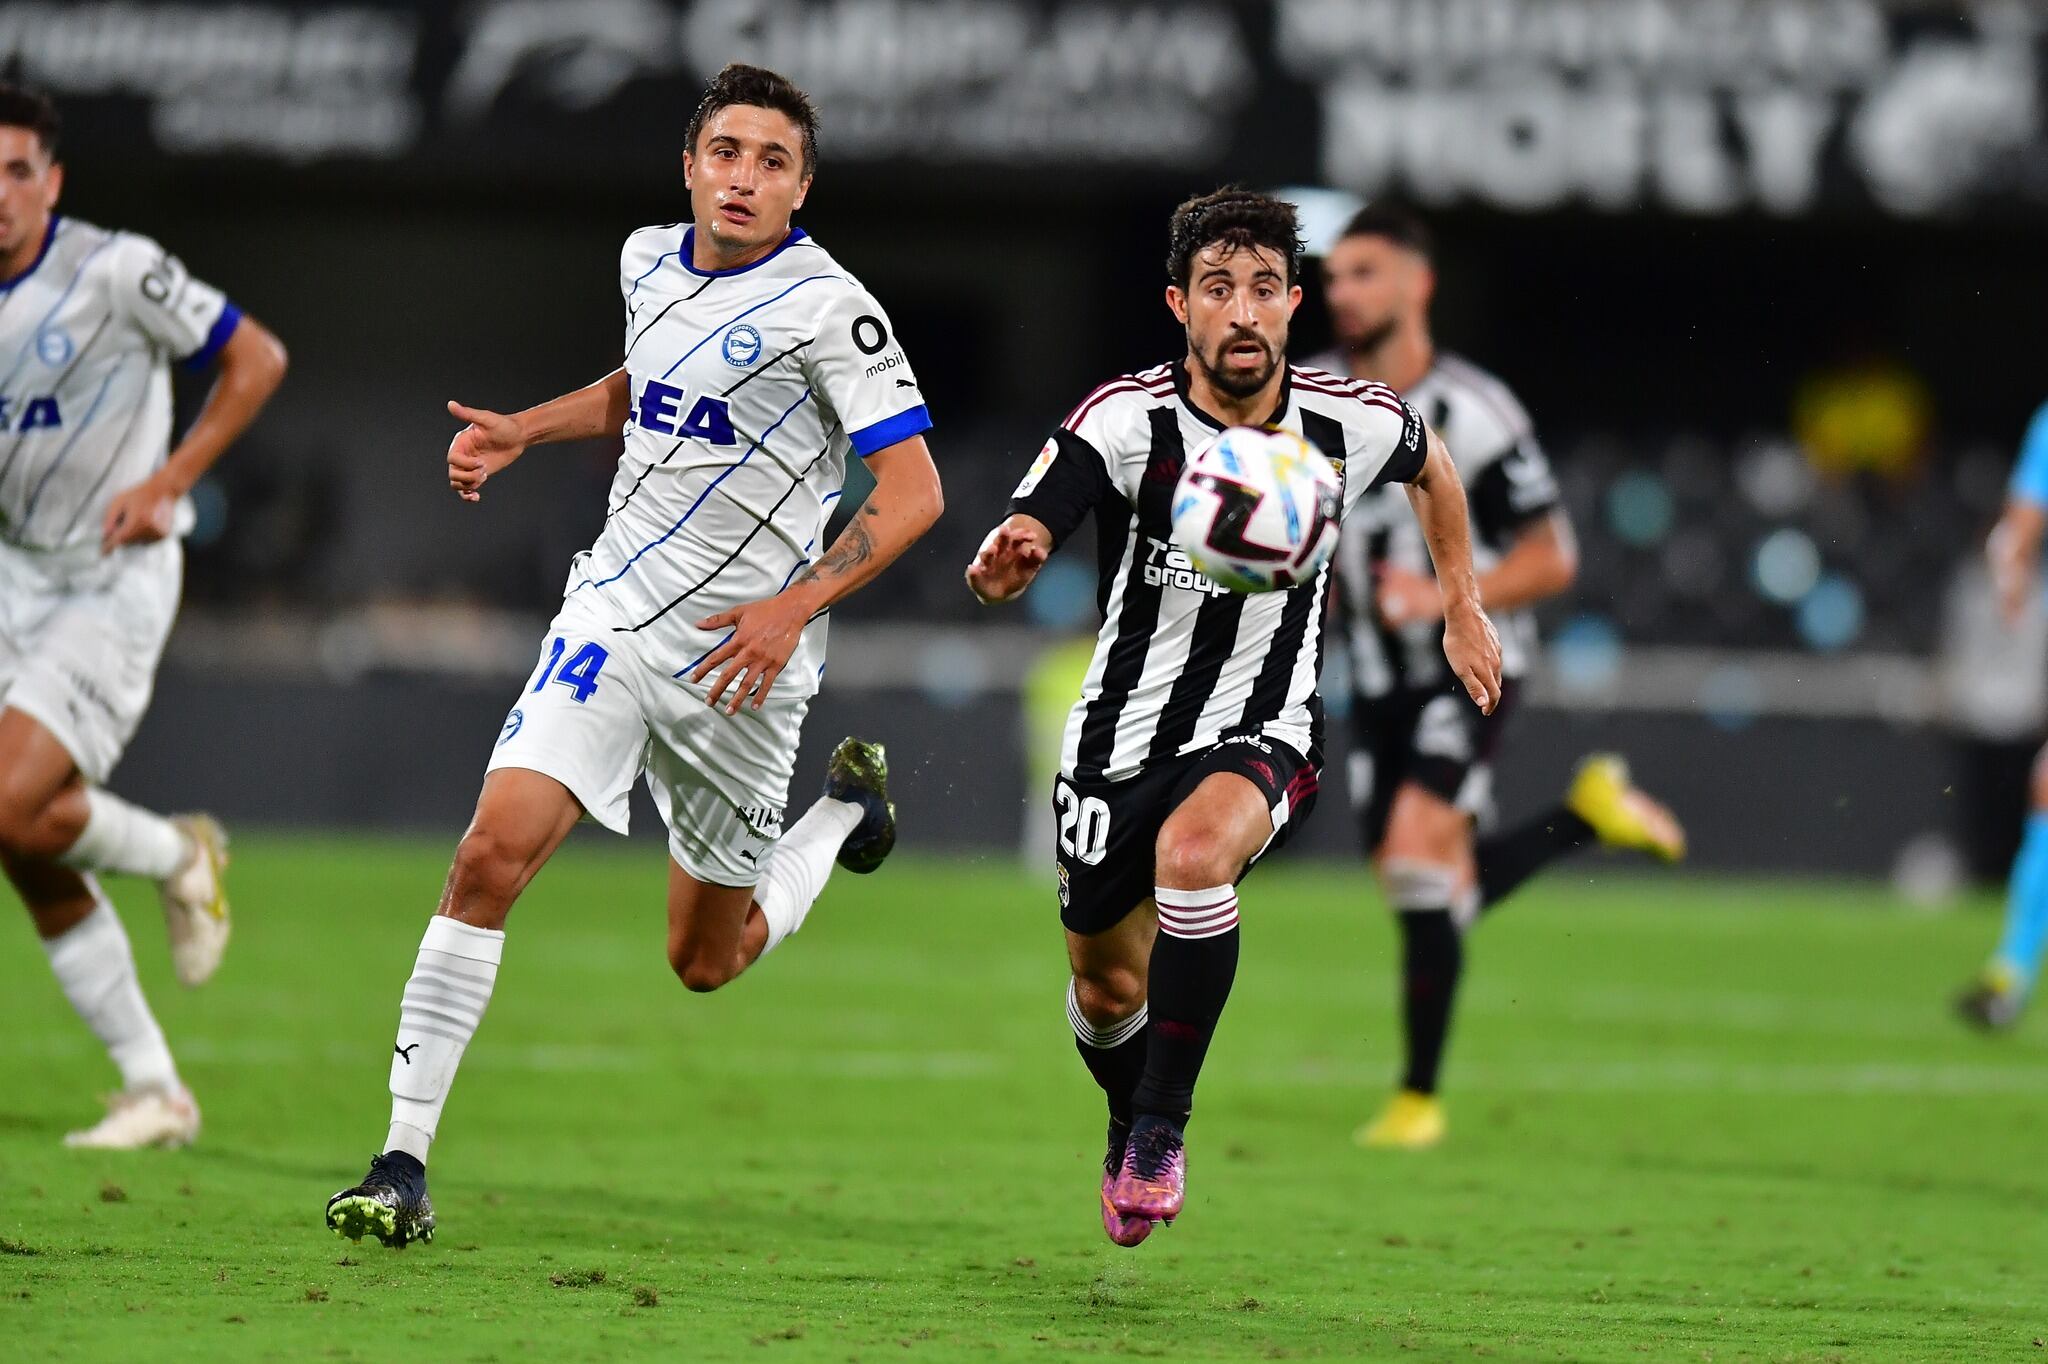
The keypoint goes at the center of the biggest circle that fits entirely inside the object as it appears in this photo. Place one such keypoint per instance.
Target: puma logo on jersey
(30, 414)
(404, 1053)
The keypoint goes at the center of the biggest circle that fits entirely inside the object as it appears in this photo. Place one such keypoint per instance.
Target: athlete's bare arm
(493, 440)
(2014, 551)
(1540, 564)
(1470, 644)
(1009, 559)
(905, 502)
(252, 365)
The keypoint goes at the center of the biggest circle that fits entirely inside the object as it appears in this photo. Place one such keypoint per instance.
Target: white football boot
(196, 901)
(149, 1118)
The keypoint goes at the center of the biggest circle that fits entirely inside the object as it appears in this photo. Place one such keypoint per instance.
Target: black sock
(1511, 857)
(1189, 983)
(1432, 954)
(1114, 1054)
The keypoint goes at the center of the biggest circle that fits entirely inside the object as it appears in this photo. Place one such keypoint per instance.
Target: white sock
(95, 966)
(800, 865)
(444, 1001)
(127, 840)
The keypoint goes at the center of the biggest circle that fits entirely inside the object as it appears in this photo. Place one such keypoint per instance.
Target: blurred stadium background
(1768, 273)
(1769, 276)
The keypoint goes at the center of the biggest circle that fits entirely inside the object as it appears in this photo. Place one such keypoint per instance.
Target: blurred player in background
(1421, 765)
(1196, 745)
(692, 636)
(92, 505)
(2001, 991)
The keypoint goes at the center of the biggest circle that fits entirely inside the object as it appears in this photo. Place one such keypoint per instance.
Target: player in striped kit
(692, 634)
(1196, 745)
(92, 505)
(1421, 766)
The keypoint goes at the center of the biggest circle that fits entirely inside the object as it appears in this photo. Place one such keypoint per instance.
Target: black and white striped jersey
(1182, 664)
(1508, 485)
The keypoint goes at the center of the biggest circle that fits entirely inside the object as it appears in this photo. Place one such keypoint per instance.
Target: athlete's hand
(1405, 597)
(764, 635)
(1009, 559)
(140, 515)
(491, 441)
(1473, 651)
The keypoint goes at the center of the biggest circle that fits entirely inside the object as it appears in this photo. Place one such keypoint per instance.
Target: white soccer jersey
(86, 341)
(1508, 484)
(749, 388)
(1180, 663)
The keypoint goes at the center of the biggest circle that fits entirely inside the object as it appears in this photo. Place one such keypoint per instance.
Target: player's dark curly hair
(1235, 219)
(1398, 223)
(739, 83)
(21, 107)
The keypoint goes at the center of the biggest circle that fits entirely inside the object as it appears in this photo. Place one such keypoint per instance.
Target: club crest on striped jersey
(54, 346)
(742, 345)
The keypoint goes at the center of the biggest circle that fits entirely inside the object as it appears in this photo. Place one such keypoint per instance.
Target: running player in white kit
(92, 502)
(692, 635)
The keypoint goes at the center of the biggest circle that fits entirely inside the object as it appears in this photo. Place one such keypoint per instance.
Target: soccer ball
(1257, 510)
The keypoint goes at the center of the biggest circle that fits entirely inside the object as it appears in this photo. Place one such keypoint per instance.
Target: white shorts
(595, 715)
(80, 638)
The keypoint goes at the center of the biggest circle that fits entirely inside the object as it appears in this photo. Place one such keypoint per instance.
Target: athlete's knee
(700, 974)
(1192, 855)
(2039, 793)
(484, 879)
(1426, 828)
(29, 827)
(1110, 994)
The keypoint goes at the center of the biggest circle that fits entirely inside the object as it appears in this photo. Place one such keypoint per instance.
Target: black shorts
(1434, 737)
(1105, 831)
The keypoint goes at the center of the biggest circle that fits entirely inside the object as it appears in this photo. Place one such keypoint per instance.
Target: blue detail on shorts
(2030, 474)
(216, 338)
(890, 430)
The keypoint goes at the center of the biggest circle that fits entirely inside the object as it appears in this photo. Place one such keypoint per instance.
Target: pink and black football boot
(1153, 1181)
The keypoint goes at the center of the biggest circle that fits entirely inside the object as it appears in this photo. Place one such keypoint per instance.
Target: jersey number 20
(1084, 824)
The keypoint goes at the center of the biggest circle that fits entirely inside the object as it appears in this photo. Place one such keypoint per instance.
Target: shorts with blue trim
(596, 715)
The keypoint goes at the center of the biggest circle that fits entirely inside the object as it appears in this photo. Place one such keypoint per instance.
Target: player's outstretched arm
(2014, 552)
(1542, 563)
(252, 365)
(905, 502)
(1009, 559)
(493, 440)
(1470, 645)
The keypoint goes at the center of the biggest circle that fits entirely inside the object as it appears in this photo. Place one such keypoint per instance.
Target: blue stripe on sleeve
(890, 430)
(2030, 474)
(216, 339)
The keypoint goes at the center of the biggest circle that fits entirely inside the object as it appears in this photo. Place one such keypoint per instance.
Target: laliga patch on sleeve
(1411, 428)
(1046, 455)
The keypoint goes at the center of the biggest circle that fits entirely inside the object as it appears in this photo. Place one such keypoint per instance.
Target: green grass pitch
(1690, 1120)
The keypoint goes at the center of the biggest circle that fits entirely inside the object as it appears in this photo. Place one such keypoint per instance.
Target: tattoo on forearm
(854, 547)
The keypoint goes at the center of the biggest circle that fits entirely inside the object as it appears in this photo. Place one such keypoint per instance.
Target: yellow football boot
(1621, 813)
(1410, 1122)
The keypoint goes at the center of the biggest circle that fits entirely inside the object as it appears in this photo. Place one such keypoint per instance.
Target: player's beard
(1238, 383)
